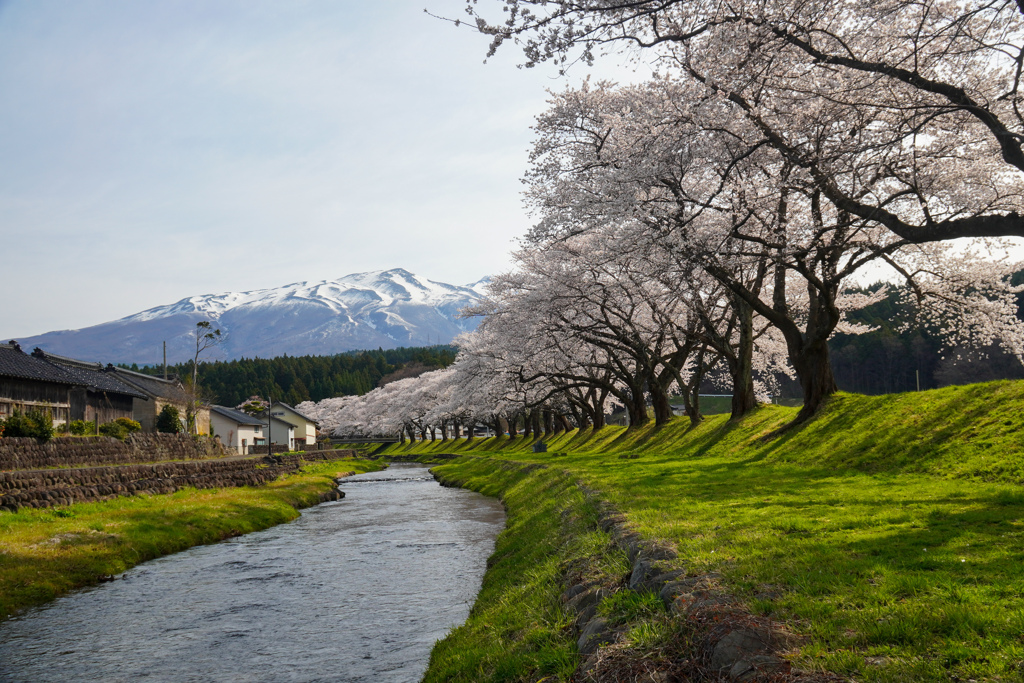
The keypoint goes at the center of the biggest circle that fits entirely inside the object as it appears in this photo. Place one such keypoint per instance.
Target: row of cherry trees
(714, 218)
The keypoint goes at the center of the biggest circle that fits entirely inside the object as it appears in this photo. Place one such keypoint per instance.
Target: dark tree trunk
(599, 398)
(578, 413)
(549, 422)
(660, 403)
(527, 426)
(740, 367)
(501, 427)
(814, 369)
(564, 422)
(401, 437)
(535, 418)
(469, 431)
(444, 431)
(637, 414)
(691, 403)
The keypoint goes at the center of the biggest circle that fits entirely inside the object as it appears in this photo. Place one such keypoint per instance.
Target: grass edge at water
(45, 553)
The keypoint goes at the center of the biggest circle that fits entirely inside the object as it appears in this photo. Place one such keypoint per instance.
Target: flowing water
(356, 590)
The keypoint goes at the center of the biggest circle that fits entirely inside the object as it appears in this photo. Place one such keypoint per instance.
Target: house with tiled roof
(305, 426)
(31, 384)
(277, 431)
(238, 431)
(100, 396)
(160, 392)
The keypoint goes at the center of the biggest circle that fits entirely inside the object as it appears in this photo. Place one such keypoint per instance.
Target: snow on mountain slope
(385, 308)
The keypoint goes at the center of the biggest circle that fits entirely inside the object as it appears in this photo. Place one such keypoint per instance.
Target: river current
(355, 590)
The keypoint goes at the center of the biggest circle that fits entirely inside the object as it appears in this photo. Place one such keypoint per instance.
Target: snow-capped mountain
(386, 308)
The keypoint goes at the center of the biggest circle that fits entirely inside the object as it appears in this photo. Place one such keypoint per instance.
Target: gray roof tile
(236, 415)
(93, 375)
(16, 363)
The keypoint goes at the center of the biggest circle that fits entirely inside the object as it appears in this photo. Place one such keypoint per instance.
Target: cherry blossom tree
(693, 175)
(903, 113)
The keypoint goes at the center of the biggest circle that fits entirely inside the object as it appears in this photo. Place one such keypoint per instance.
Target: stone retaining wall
(19, 453)
(46, 488)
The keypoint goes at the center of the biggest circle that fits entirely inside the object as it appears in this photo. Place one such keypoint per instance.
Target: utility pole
(165, 360)
(270, 442)
(918, 374)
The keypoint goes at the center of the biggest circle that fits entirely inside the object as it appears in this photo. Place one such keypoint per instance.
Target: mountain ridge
(382, 308)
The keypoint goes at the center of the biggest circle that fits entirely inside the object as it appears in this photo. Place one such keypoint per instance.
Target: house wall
(146, 412)
(282, 434)
(24, 395)
(310, 434)
(106, 407)
(305, 431)
(235, 437)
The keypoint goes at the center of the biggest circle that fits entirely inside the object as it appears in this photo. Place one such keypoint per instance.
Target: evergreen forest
(294, 379)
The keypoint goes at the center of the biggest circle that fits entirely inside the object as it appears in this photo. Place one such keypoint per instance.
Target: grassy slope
(888, 530)
(517, 630)
(45, 553)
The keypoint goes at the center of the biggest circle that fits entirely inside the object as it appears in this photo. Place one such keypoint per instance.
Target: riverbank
(517, 629)
(885, 534)
(46, 553)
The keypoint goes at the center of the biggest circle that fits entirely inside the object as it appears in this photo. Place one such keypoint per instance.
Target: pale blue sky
(151, 151)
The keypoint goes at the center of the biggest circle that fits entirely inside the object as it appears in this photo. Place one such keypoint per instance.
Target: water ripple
(355, 590)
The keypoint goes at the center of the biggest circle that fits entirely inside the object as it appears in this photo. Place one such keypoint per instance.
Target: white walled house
(281, 433)
(238, 431)
(305, 427)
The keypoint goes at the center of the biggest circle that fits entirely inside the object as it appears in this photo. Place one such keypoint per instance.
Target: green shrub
(169, 420)
(32, 424)
(113, 429)
(130, 425)
(81, 427)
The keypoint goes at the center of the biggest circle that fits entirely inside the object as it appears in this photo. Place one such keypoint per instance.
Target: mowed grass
(889, 531)
(45, 553)
(517, 629)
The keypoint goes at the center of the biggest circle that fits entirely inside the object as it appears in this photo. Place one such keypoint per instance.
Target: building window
(5, 408)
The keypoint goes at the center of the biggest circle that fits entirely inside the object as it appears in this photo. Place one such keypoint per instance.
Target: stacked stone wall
(46, 488)
(18, 453)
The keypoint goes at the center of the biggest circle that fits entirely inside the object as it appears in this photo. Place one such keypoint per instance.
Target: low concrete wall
(46, 488)
(70, 451)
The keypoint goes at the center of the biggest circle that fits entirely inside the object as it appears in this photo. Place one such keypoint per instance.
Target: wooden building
(30, 384)
(160, 392)
(100, 396)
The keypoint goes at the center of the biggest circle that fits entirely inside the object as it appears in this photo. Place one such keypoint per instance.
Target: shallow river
(356, 590)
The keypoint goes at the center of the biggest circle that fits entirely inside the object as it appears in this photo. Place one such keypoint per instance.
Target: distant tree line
(892, 357)
(294, 379)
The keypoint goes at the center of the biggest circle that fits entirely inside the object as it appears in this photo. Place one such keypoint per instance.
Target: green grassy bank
(517, 630)
(888, 531)
(45, 553)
